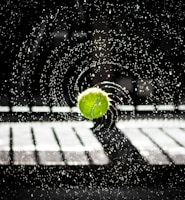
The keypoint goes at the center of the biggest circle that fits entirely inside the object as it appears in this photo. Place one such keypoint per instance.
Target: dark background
(149, 63)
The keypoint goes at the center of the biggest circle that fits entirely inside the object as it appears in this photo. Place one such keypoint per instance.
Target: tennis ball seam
(94, 106)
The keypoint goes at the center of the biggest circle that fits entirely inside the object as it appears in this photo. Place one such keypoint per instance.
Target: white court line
(165, 107)
(181, 107)
(145, 107)
(75, 109)
(23, 147)
(151, 123)
(4, 144)
(4, 108)
(64, 109)
(86, 124)
(20, 109)
(40, 109)
(126, 107)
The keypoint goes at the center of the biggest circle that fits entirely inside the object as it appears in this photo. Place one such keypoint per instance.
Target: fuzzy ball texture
(93, 103)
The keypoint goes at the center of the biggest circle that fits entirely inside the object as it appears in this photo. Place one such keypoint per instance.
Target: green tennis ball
(93, 103)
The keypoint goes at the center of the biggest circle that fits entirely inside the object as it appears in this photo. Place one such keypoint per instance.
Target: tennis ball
(93, 103)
